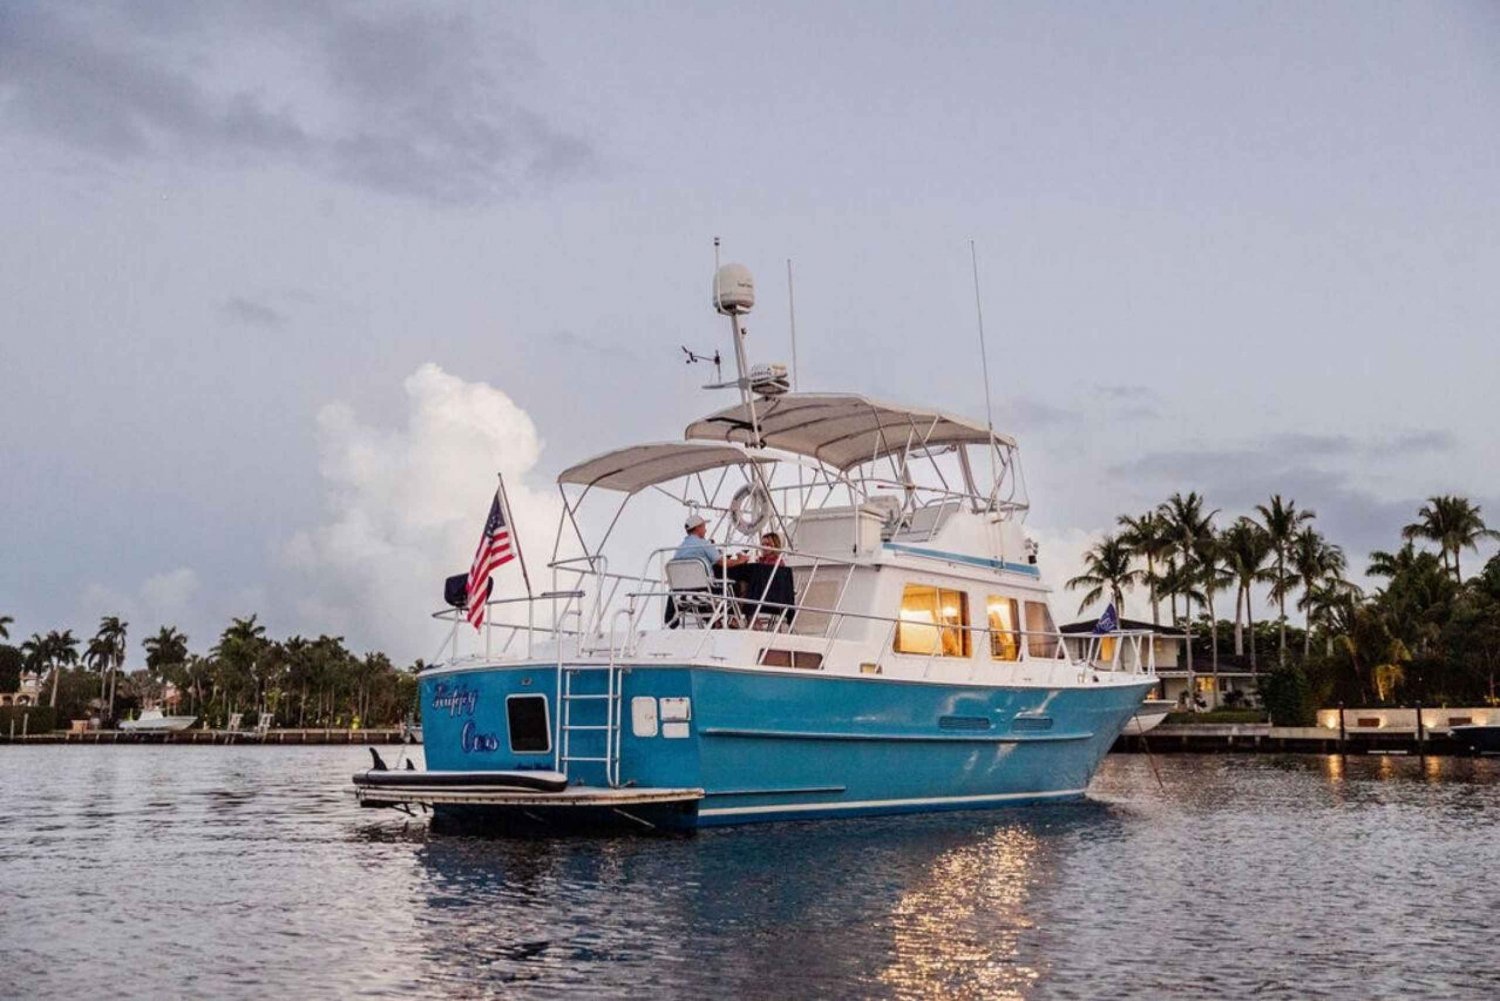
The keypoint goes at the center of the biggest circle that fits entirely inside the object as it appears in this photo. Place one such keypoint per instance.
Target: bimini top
(639, 466)
(840, 429)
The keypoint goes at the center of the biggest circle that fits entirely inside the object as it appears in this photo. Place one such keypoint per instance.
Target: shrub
(43, 718)
(1288, 697)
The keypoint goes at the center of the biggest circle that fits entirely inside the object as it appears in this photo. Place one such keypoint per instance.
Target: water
(249, 872)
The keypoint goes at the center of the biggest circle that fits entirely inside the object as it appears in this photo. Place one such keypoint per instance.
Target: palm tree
(53, 652)
(1280, 521)
(5, 621)
(1403, 561)
(1146, 537)
(1327, 603)
(1246, 549)
(1214, 575)
(1454, 524)
(239, 656)
(107, 651)
(34, 651)
(1187, 528)
(167, 650)
(1106, 568)
(1181, 582)
(1315, 562)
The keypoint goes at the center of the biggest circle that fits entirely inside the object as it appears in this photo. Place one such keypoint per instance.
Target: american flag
(495, 550)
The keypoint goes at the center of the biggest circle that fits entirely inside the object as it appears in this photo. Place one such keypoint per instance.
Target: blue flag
(1108, 622)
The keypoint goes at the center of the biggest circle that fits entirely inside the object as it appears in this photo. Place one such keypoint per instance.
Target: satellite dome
(734, 289)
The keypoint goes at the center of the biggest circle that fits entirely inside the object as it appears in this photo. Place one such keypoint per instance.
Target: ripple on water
(239, 872)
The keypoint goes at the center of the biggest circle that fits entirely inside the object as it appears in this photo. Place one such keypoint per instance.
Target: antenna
(791, 303)
(984, 366)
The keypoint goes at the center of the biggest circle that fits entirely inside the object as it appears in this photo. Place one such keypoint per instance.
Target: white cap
(693, 522)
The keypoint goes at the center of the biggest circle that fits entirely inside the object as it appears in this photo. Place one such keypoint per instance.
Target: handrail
(1131, 652)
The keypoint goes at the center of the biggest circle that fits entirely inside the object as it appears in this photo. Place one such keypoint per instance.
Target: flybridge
(837, 481)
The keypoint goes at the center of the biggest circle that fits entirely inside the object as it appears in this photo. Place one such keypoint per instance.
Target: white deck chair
(696, 595)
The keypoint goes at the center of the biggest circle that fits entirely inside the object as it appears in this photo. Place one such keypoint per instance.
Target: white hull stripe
(867, 803)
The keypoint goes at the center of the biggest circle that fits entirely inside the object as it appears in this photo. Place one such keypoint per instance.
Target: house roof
(840, 429)
(1087, 626)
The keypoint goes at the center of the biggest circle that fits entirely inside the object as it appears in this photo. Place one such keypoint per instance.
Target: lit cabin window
(1041, 634)
(934, 620)
(1005, 643)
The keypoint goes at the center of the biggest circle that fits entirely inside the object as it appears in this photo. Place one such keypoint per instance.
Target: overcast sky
(284, 283)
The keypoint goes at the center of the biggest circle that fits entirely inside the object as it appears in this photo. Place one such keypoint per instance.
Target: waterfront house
(1234, 683)
(28, 693)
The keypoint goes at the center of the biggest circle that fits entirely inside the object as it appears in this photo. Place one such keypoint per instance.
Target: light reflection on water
(237, 872)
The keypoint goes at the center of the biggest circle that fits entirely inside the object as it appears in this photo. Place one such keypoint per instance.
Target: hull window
(806, 659)
(934, 621)
(527, 719)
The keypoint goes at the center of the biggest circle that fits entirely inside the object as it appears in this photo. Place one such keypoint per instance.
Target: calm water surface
(249, 872)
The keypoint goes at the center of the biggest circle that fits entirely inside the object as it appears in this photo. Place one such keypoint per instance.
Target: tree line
(1424, 634)
(300, 682)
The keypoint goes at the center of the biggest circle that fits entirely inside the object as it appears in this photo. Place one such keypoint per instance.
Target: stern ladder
(589, 719)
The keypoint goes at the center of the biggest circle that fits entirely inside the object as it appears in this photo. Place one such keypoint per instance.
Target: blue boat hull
(776, 746)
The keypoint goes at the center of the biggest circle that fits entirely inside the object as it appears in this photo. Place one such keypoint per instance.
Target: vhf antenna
(984, 367)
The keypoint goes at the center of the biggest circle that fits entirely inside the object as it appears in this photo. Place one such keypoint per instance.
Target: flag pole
(515, 537)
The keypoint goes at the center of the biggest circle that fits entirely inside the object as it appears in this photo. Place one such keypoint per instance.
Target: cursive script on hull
(459, 700)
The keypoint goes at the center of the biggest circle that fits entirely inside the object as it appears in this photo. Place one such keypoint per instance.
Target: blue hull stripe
(886, 804)
(974, 561)
(925, 738)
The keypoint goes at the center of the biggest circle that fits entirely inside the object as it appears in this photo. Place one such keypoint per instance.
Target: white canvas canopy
(639, 466)
(840, 429)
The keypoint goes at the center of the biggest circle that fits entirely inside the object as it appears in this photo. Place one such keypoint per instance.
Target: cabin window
(1005, 617)
(934, 621)
(1041, 634)
(527, 717)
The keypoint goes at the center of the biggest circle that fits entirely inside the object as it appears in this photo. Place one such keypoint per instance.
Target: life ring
(749, 509)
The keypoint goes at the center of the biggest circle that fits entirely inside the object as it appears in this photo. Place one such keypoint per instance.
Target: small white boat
(156, 721)
(1148, 716)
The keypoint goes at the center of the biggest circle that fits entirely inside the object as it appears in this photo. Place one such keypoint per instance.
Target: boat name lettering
(457, 699)
(472, 741)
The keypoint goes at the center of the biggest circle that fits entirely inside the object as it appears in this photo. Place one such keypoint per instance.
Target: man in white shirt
(696, 545)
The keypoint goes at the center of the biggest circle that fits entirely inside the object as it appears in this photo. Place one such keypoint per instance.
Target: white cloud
(171, 598)
(405, 508)
(1060, 556)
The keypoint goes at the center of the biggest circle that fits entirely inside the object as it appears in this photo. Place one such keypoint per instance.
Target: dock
(393, 735)
(1262, 738)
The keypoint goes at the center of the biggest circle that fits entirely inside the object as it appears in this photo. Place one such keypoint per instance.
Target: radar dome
(734, 289)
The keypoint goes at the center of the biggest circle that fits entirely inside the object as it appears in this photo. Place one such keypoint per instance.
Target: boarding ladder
(588, 697)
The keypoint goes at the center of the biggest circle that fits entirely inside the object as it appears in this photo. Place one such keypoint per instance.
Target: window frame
(510, 730)
(940, 628)
(996, 633)
(1043, 635)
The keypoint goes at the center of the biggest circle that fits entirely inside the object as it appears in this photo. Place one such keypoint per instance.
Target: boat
(1150, 715)
(1477, 737)
(156, 721)
(893, 651)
